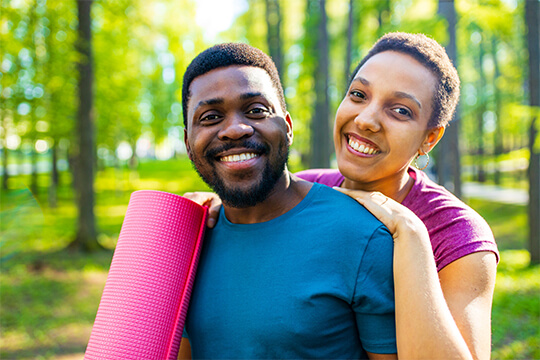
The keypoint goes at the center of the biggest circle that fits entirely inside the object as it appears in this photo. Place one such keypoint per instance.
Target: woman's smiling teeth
(238, 157)
(363, 148)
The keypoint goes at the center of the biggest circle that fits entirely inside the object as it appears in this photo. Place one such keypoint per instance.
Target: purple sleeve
(455, 230)
(328, 177)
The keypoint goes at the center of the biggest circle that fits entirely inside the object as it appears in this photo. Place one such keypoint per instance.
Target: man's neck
(288, 192)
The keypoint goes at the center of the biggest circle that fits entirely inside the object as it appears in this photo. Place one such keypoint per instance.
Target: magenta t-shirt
(455, 230)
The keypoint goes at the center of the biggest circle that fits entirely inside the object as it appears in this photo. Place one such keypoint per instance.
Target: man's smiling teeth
(238, 157)
(363, 148)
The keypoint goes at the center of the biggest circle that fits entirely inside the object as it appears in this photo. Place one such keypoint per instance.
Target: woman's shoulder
(455, 229)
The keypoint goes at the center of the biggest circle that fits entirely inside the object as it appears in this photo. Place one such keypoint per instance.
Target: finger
(213, 214)
(376, 203)
(365, 196)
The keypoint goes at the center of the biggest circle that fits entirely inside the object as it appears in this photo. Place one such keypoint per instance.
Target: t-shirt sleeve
(373, 301)
(464, 232)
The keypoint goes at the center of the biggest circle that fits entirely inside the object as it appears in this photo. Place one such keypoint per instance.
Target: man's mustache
(245, 144)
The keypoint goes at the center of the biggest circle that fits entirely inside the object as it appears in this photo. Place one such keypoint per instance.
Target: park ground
(49, 296)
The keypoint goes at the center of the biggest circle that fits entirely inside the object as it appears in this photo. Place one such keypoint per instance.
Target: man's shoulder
(339, 208)
(330, 177)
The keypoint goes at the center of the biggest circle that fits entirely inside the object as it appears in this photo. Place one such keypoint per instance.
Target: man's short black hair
(433, 56)
(229, 54)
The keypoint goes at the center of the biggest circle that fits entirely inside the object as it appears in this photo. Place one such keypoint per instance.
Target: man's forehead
(231, 80)
(241, 75)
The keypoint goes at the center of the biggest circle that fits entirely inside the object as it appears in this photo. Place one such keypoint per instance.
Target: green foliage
(516, 308)
(508, 222)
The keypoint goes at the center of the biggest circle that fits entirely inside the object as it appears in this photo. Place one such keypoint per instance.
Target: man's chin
(241, 198)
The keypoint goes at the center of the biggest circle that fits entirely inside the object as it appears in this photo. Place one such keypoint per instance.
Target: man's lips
(361, 145)
(235, 152)
(238, 157)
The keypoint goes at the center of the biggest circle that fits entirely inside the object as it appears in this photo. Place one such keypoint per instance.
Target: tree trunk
(34, 172)
(497, 135)
(383, 15)
(86, 239)
(53, 187)
(449, 162)
(5, 155)
(273, 33)
(320, 126)
(481, 174)
(533, 44)
(348, 54)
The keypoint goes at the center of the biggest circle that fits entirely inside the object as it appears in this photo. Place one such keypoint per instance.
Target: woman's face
(382, 121)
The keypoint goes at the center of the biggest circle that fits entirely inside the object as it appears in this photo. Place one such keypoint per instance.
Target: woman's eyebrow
(401, 94)
(362, 80)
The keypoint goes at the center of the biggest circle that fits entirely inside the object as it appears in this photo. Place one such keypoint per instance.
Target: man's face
(237, 134)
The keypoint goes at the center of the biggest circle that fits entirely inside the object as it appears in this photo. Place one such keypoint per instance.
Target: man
(291, 269)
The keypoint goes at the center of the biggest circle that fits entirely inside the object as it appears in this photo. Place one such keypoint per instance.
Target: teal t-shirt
(315, 282)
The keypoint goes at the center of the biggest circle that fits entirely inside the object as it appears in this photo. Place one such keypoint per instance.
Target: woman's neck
(397, 187)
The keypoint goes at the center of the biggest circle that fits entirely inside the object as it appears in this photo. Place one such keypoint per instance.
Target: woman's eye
(358, 94)
(402, 111)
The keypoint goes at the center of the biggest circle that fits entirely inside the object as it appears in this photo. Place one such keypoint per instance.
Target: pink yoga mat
(144, 303)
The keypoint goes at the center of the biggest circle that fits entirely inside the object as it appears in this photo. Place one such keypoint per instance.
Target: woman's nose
(369, 118)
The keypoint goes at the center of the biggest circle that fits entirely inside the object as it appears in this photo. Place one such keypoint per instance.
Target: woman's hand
(401, 221)
(425, 327)
(207, 199)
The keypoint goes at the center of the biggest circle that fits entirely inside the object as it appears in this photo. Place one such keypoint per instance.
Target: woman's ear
(432, 138)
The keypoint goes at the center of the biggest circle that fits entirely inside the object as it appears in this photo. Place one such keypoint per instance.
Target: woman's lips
(361, 146)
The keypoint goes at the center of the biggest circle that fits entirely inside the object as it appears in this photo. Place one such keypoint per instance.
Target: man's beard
(242, 198)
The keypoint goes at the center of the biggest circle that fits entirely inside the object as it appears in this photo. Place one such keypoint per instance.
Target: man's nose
(369, 118)
(235, 127)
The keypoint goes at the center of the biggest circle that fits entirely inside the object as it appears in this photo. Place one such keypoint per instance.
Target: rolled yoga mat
(144, 303)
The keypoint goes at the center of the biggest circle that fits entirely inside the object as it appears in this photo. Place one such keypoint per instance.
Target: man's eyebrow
(209, 102)
(401, 94)
(250, 95)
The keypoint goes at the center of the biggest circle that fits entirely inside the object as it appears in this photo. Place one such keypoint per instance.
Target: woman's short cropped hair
(433, 56)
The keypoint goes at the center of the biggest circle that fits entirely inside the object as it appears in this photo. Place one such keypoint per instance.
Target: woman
(401, 97)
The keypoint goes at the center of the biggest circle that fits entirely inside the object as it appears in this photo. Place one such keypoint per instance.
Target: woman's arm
(425, 307)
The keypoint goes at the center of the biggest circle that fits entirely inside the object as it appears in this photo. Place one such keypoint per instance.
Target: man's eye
(258, 111)
(209, 117)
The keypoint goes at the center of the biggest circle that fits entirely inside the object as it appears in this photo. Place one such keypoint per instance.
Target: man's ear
(188, 149)
(432, 138)
(288, 122)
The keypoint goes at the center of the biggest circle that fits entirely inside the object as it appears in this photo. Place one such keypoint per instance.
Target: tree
(273, 33)
(448, 165)
(533, 44)
(350, 41)
(86, 239)
(320, 125)
(497, 134)
(480, 112)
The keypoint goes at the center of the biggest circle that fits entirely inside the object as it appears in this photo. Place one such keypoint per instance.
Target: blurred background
(91, 111)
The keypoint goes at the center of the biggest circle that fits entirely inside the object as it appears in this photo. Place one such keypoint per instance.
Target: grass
(49, 297)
